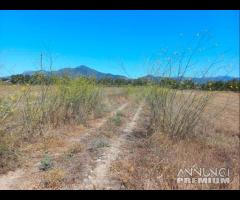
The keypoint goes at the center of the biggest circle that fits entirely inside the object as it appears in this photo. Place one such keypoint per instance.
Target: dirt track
(99, 177)
(21, 178)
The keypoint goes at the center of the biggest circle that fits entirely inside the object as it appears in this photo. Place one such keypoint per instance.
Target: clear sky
(118, 42)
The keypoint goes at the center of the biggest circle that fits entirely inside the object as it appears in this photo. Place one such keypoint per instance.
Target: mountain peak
(83, 67)
(81, 70)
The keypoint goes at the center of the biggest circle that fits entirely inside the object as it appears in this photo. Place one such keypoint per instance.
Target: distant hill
(196, 80)
(81, 70)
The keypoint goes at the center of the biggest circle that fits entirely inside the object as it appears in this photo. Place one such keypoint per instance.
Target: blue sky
(118, 42)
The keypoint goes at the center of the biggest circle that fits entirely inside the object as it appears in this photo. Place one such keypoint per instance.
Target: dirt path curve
(99, 177)
(98, 124)
(18, 179)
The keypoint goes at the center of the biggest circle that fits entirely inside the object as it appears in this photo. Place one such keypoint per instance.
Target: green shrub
(117, 119)
(46, 163)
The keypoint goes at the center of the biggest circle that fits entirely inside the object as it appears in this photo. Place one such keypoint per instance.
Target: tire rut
(98, 178)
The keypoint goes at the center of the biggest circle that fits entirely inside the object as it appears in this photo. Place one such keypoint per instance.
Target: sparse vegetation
(52, 179)
(46, 162)
(100, 142)
(77, 148)
(153, 161)
(117, 119)
(178, 116)
(31, 111)
(8, 158)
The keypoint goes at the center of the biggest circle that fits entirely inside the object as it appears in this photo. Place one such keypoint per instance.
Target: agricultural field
(77, 134)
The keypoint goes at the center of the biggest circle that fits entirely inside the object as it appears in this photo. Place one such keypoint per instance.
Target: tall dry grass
(31, 111)
(176, 112)
(67, 101)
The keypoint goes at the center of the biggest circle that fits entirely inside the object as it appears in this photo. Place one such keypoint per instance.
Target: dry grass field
(154, 160)
(116, 146)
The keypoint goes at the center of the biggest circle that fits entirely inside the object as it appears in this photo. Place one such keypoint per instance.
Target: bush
(176, 112)
(77, 98)
(117, 119)
(46, 163)
(67, 101)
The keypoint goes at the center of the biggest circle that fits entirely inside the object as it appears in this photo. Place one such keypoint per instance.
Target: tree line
(232, 85)
(38, 78)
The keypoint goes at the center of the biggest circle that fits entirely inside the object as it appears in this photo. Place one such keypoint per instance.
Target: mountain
(81, 70)
(217, 78)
